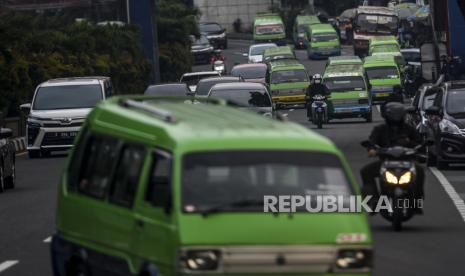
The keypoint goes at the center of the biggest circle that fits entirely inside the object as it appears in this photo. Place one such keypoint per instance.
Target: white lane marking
(7, 264)
(458, 201)
(48, 240)
(379, 108)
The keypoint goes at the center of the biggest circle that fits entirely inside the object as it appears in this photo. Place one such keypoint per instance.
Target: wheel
(10, 181)
(77, 268)
(319, 121)
(397, 218)
(369, 117)
(2, 180)
(33, 154)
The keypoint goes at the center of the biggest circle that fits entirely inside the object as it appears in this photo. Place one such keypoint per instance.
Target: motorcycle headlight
(448, 127)
(354, 259)
(405, 178)
(390, 177)
(201, 260)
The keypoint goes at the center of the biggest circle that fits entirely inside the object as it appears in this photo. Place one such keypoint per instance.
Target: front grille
(58, 124)
(345, 102)
(55, 139)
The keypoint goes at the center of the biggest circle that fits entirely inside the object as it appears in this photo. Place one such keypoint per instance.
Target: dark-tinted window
(98, 161)
(385, 72)
(255, 72)
(244, 97)
(455, 103)
(340, 84)
(204, 87)
(289, 76)
(207, 28)
(67, 97)
(127, 175)
(159, 187)
(167, 90)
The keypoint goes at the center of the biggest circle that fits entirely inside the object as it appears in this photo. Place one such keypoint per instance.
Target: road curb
(20, 144)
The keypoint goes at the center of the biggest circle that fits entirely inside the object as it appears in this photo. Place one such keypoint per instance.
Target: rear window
(321, 37)
(166, 90)
(194, 79)
(204, 86)
(260, 49)
(257, 72)
(210, 28)
(244, 97)
(384, 72)
(269, 29)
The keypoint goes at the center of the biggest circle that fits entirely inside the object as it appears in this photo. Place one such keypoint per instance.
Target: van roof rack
(163, 114)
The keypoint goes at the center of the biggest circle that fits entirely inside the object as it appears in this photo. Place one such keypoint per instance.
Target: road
(431, 244)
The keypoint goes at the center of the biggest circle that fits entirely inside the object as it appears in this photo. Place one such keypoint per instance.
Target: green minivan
(344, 60)
(322, 42)
(383, 74)
(299, 31)
(287, 80)
(159, 187)
(269, 27)
(349, 92)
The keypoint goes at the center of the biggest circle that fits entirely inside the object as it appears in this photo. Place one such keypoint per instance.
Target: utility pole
(156, 56)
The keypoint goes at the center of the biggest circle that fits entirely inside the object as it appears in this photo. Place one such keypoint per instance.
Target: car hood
(259, 80)
(61, 113)
(267, 229)
(256, 59)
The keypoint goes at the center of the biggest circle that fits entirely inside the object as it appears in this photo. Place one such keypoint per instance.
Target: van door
(155, 234)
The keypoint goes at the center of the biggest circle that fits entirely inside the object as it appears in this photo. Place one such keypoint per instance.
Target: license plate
(382, 94)
(344, 110)
(67, 134)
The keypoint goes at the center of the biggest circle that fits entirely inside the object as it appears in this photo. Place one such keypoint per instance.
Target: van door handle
(140, 222)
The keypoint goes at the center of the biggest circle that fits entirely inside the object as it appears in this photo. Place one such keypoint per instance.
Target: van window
(127, 175)
(158, 190)
(98, 161)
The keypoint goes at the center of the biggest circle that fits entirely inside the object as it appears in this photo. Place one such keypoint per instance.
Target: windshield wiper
(239, 203)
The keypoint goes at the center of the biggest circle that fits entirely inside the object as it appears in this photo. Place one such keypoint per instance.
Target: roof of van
(376, 10)
(74, 81)
(286, 64)
(322, 28)
(379, 59)
(268, 18)
(307, 20)
(341, 60)
(278, 50)
(177, 125)
(344, 70)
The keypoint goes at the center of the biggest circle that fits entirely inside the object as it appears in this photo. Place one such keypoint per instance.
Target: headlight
(354, 259)
(390, 177)
(201, 260)
(405, 178)
(448, 127)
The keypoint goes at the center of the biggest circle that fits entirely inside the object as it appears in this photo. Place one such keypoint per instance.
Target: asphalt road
(432, 244)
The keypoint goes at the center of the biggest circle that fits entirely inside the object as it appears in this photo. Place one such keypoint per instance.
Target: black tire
(2, 180)
(397, 217)
(319, 121)
(78, 268)
(369, 117)
(10, 181)
(33, 154)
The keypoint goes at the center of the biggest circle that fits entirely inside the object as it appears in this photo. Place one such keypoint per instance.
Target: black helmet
(394, 112)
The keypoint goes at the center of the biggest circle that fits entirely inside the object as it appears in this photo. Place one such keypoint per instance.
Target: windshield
(194, 79)
(244, 97)
(289, 76)
(269, 29)
(412, 56)
(324, 37)
(167, 90)
(213, 178)
(377, 23)
(340, 84)
(207, 28)
(67, 97)
(258, 72)
(386, 72)
(259, 50)
(204, 86)
(456, 102)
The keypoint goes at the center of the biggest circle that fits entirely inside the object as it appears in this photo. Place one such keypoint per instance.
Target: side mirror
(411, 110)
(5, 133)
(26, 108)
(433, 111)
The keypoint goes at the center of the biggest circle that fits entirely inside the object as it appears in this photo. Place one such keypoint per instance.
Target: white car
(191, 79)
(256, 51)
(58, 110)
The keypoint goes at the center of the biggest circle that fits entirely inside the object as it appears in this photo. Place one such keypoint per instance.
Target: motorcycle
(397, 181)
(319, 110)
(219, 67)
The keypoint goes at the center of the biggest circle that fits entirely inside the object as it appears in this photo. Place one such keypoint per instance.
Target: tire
(319, 121)
(2, 180)
(33, 154)
(78, 269)
(10, 182)
(397, 217)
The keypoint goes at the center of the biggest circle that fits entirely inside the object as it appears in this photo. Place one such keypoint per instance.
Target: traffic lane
(27, 215)
(431, 244)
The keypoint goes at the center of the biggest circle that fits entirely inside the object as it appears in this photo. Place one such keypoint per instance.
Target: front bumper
(279, 42)
(51, 138)
(350, 111)
(452, 148)
(323, 52)
(380, 96)
(294, 99)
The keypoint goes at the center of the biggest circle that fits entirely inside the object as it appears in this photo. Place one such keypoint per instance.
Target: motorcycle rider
(217, 55)
(394, 132)
(316, 87)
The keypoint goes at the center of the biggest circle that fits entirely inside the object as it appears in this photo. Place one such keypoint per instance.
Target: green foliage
(176, 21)
(35, 48)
